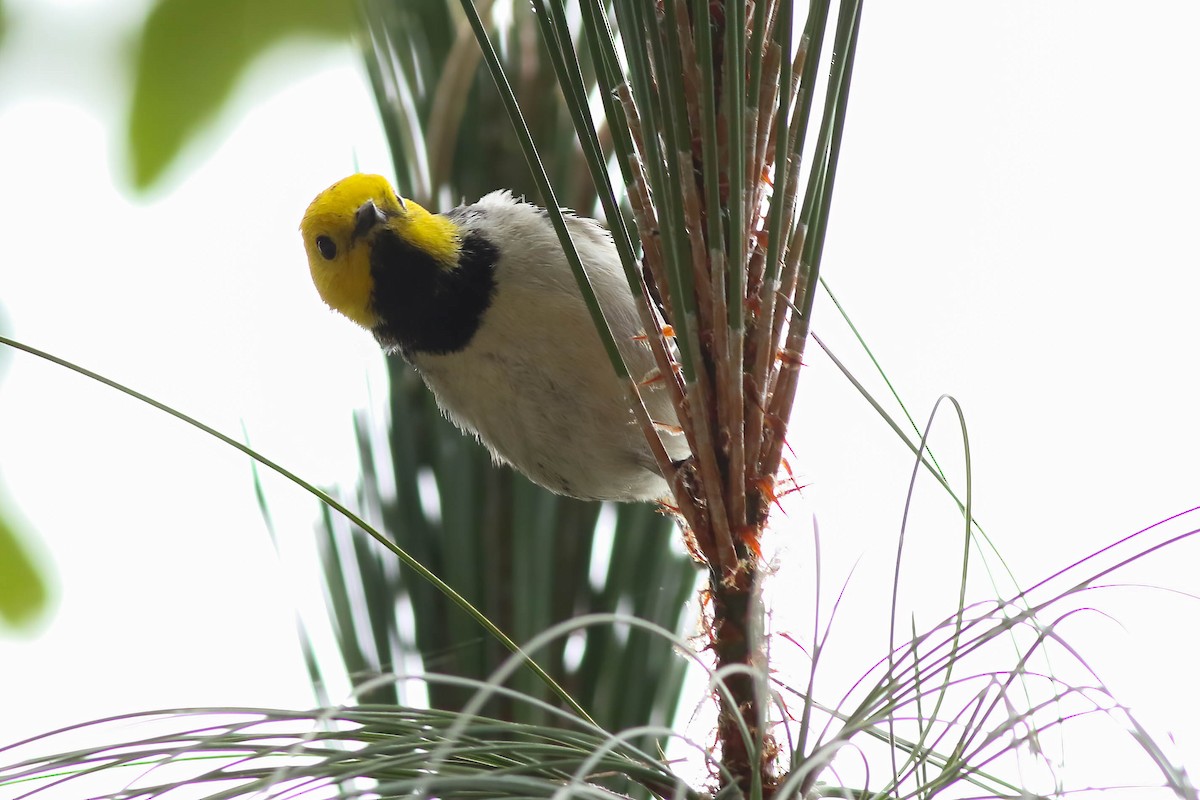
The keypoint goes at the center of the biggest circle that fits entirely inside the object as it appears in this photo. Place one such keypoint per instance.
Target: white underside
(535, 384)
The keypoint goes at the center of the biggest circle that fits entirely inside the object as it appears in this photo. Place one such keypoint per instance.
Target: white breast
(535, 384)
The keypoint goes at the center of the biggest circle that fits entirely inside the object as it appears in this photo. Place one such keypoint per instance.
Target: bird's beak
(367, 217)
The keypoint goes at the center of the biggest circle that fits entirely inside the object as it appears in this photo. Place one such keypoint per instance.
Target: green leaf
(192, 54)
(24, 595)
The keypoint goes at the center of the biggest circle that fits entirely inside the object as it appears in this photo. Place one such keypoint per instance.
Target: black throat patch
(424, 307)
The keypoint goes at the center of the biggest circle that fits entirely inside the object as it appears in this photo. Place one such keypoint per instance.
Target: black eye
(326, 247)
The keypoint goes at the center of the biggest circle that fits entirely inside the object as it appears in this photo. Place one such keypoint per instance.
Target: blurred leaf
(191, 56)
(23, 591)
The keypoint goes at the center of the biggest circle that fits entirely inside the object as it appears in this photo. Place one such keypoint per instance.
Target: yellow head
(339, 230)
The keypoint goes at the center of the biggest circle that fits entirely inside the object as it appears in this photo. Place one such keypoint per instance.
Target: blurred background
(1014, 225)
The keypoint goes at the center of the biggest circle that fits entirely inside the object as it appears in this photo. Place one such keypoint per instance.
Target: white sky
(1015, 224)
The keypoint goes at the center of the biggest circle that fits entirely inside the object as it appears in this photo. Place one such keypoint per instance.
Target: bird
(482, 303)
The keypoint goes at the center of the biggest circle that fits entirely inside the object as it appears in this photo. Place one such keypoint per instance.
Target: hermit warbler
(482, 302)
